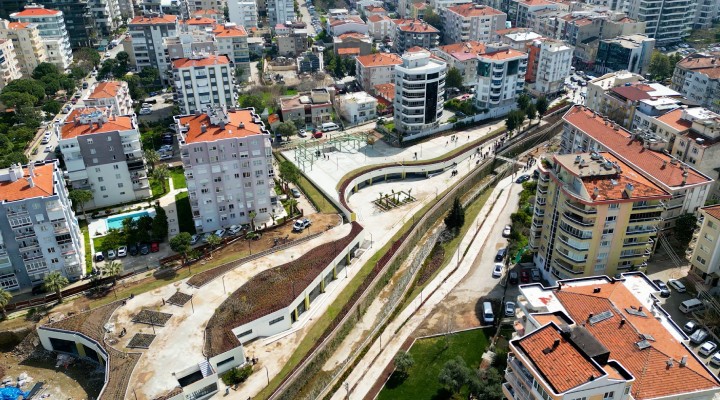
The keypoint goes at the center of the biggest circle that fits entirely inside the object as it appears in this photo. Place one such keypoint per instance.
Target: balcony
(580, 208)
(571, 259)
(136, 164)
(25, 233)
(16, 212)
(643, 254)
(577, 220)
(649, 242)
(648, 207)
(641, 231)
(575, 246)
(567, 267)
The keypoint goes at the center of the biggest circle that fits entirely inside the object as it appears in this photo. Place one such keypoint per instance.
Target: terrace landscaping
(267, 292)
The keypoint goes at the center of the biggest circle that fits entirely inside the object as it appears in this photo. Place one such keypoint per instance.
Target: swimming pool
(116, 221)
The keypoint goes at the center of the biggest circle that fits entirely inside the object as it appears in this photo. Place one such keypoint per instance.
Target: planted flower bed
(150, 317)
(269, 291)
(141, 341)
(179, 299)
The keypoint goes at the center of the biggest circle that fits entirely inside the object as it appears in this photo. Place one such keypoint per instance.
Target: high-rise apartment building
(227, 157)
(54, 33)
(376, 69)
(113, 94)
(232, 41)
(39, 233)
(243, 13)
(203, 80)
(419, 94)
(602, 338)
(9, 66)
(78, 19)
(667, 21)
(697, 77)
(147, 33)
(626, 53)
(704, 251)
(280, 11)
(127, 9)
(472, 22)
(29, 48)
(549, 63)
(103, 154)
(106, 16)
(500, 79)
(409, 33)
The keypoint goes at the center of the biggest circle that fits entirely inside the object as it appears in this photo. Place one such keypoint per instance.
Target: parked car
(506, 231)
(166, 147)
(45, 140)
(111, 254)
(301, 224)
(317, 134)
(715, 359)
(165, 156)
(99, 256)
(497, 270)
(122, 251)
(49, 148)
(699, 336)
(509, 309)
(690, 326)
(677, 285)
(302, 133)
(664, 290)
(501, 254)
(133, 249)
(194, 239)
(535, 275)
(522, 178)
(234, 230)
(525, 275)
(513, 277)
(154, 247)
(220, 233)
(144, 249)
(145, 111)
(295, 193)
(707, 348)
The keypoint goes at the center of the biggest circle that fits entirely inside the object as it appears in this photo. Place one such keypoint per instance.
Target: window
(116, 166)
(54, 260)
(92, 151)
(100, 179)
(89, 141)
(244, 334)
(700, 260)
(228, 360)
(614, 206)
(51, 250)
(276, 320)
(263, 210)
(120, 185)
(608, 231)
(97, 169)
(246, 174)
(609, 395)
(95, 160)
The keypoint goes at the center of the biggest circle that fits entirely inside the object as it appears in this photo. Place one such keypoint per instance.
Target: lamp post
(223, 281)
(371, 239)
(192, 305)
(267, 375)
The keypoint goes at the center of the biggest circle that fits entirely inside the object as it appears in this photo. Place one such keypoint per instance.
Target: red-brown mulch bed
(432, 263)
(269, 291)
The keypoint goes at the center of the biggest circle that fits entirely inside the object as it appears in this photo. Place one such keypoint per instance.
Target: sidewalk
(167, 202)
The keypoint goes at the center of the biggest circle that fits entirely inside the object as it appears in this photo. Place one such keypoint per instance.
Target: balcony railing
(580, 209)
(577, 220)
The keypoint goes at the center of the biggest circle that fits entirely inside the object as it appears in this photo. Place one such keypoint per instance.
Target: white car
(194, 238)
(497, 271)
(506, 231)
(715, 359)
(302, 133)
(165, 147)
(707, 348)
(509, 309)
(45, 140)
(122, 251)
(677, 285)
(48, 148)
(111, 254)
(234, 230)
(219, 233)
(145, 111)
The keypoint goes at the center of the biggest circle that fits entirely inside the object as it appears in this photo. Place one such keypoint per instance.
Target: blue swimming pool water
(116, 222)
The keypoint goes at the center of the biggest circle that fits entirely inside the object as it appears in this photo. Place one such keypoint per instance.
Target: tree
(403, 362)
(684, 228)
(17, 99)
(79, 197)
(149, 76)
(152, 157)
(660, 67)
(161, 174)
(432, 18)
(455, 374)
(514, 120)
(55, 282)
(159, 226)
(349, 65)
(30, 86)
(252, 214)
(523, 101)
(214, 241)
(5, 297)
(44, 69)
(252, 100)
(181, 244)
(87, 57)
(531, 111)
(285, 129)
(292, 203)
(541, 104)
(52, 107)
(289, 173)
(454, 78)
(113, 268)
(456, 217)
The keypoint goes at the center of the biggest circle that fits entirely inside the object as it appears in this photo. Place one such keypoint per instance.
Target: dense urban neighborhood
(360, 199)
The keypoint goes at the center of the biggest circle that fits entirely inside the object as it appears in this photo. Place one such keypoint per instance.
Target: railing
(641, 231)
(569, 217)
(582, 210)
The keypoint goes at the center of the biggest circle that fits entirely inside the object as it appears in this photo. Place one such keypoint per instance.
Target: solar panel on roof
(601, 317)
(636, 312)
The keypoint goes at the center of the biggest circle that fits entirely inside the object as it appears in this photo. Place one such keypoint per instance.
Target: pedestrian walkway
(167, 202)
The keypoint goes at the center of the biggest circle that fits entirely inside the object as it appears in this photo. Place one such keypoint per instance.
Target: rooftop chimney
(556, 343)
(622, 322)
(203, 128)
(30, 182)
(596, 192)
(683, 361)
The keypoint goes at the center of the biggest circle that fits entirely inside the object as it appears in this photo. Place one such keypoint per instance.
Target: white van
(691, 305)
(488, 316)
(329, 126)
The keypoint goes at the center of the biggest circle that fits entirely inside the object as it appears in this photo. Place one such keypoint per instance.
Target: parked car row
(233, 230)
(698, 335)
(123, 251)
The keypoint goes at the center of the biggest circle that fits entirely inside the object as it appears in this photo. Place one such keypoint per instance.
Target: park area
(430, 357)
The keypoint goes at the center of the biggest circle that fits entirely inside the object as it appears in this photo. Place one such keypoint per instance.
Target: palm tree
(292, 203)
(213, 241)
(252, 216)
(79, 197)
(54, 282)
(113, 268)
(152, 157)
(5, 297)
(161, 174)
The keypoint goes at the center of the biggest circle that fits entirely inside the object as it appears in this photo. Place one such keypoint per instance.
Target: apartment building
(39, 231)
(500, 79)
(667, 21)
(345, 24)
(210, 13)
(203, 80)
(52, 29)
(280, 11)
(310, 61)
(419, 94)
(520, 11)
(587, 131)
(78, 18)
(113, 94)
(376, 69)
(147, 33)
(371, 10)
(601, 338)
(472, 22)
(29, 48)
(313, 108)
(352, 44)
(293, 43)
(620, 103)
(626, 53)
(357, 107)
(586, 32)
(243, 13)
(463, 57)
(103, 154)
(380, 27)
(187, 43)
(409, 33)
(598, 87)
(697, 77)
(127, 9)
(9, 66)
(704, 249)
(227, 157)
(549, 63)
(232, 41)
(594, 215)
(106, 16)
(706, 13)
(168, 7)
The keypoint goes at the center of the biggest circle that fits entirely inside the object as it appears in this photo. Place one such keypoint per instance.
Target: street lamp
(223, 281)
(267, 375)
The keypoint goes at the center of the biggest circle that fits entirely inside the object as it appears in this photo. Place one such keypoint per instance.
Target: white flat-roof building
(29, 48)
(357, 107)
(419, 94)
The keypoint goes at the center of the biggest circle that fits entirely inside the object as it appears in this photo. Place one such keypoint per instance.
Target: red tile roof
(503, 54)
(214, 132)
(207, 12)
(653, 378)
(674, 120)
(379, 60)
(353, 35)
(636, 92)
(20, 189)
(698, 61)
(165, 19)
(18, 25)
(348, 51)
(535, 2)
(378, 18)
(346, 20)
(229, 30)
(105, 90)
(414, 25)
(386, 91)
(72, 129)
(474, 10)
(35, 12)
(374, 9)
(200, 21)
(564, 366)
(200, 62)
(713, 211)
(465, 50)
(632, 152)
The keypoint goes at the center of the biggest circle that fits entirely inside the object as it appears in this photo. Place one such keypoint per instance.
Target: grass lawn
(704, 36)
(430, 356)
(178, 178)
(86, 238)
(157, 190)
(316, 197)
(184, 213)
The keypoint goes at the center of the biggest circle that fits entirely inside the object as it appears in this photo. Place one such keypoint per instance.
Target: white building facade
(474, 22)
(553, 62)
(243, 13)
(147, 33)
(202, 81)
(357, 107)
(9, 66)
(29, 48)
(500, 79)
(113, 94)
(280, 11)
(51, 25)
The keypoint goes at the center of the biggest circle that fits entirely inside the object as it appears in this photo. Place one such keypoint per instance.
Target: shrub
(237, 375)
